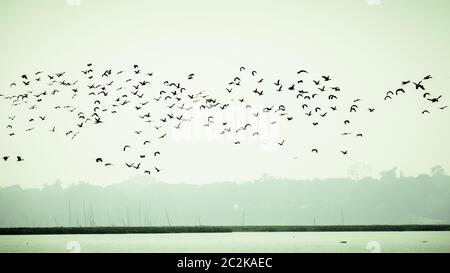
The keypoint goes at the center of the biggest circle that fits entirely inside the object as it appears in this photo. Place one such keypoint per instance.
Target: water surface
(248, 242)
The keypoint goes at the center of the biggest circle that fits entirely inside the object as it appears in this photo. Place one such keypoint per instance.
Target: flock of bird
(418, 87)
(165, 106)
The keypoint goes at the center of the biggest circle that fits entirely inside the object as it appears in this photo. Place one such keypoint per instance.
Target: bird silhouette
(326, 78)
(434, 100)
(126, 147)
(400, 90)
(419, 85)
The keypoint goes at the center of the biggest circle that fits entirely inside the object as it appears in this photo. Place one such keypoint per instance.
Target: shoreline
(217, 229)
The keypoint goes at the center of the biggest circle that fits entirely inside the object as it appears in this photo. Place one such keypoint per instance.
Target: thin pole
(167, 216)
(70, 215)
(84, 213)
(128, 218)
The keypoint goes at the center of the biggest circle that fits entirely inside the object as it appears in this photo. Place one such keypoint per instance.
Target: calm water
(233, 242)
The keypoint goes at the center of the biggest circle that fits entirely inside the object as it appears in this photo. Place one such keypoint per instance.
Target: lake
(247, 242)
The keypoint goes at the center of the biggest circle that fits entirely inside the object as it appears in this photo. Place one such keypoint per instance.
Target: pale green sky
(366, 49)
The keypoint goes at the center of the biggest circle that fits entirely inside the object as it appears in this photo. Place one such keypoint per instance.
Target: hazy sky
(367, 50)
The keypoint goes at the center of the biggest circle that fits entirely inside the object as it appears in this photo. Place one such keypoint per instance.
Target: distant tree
(359, 170)
(437, 171)
(389, 174)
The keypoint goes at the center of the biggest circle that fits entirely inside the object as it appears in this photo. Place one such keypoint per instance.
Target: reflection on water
(233, 242)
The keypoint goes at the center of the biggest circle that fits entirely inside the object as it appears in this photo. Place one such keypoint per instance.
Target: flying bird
(434, 100)
(400, 90)
(419, 85)
(126, 147)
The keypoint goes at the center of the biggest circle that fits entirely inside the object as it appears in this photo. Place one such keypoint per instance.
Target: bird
(258, 92)
(5, 158)
(326, 78)
(337, 89)
(434, 100)
(20, 159)
(156, 153)
(399, 90)
(425, 112)
(419, 85)
(315, 151)
(281, 143)
(353, 108)
(344, 152)
(126, 147)
(99, 160)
